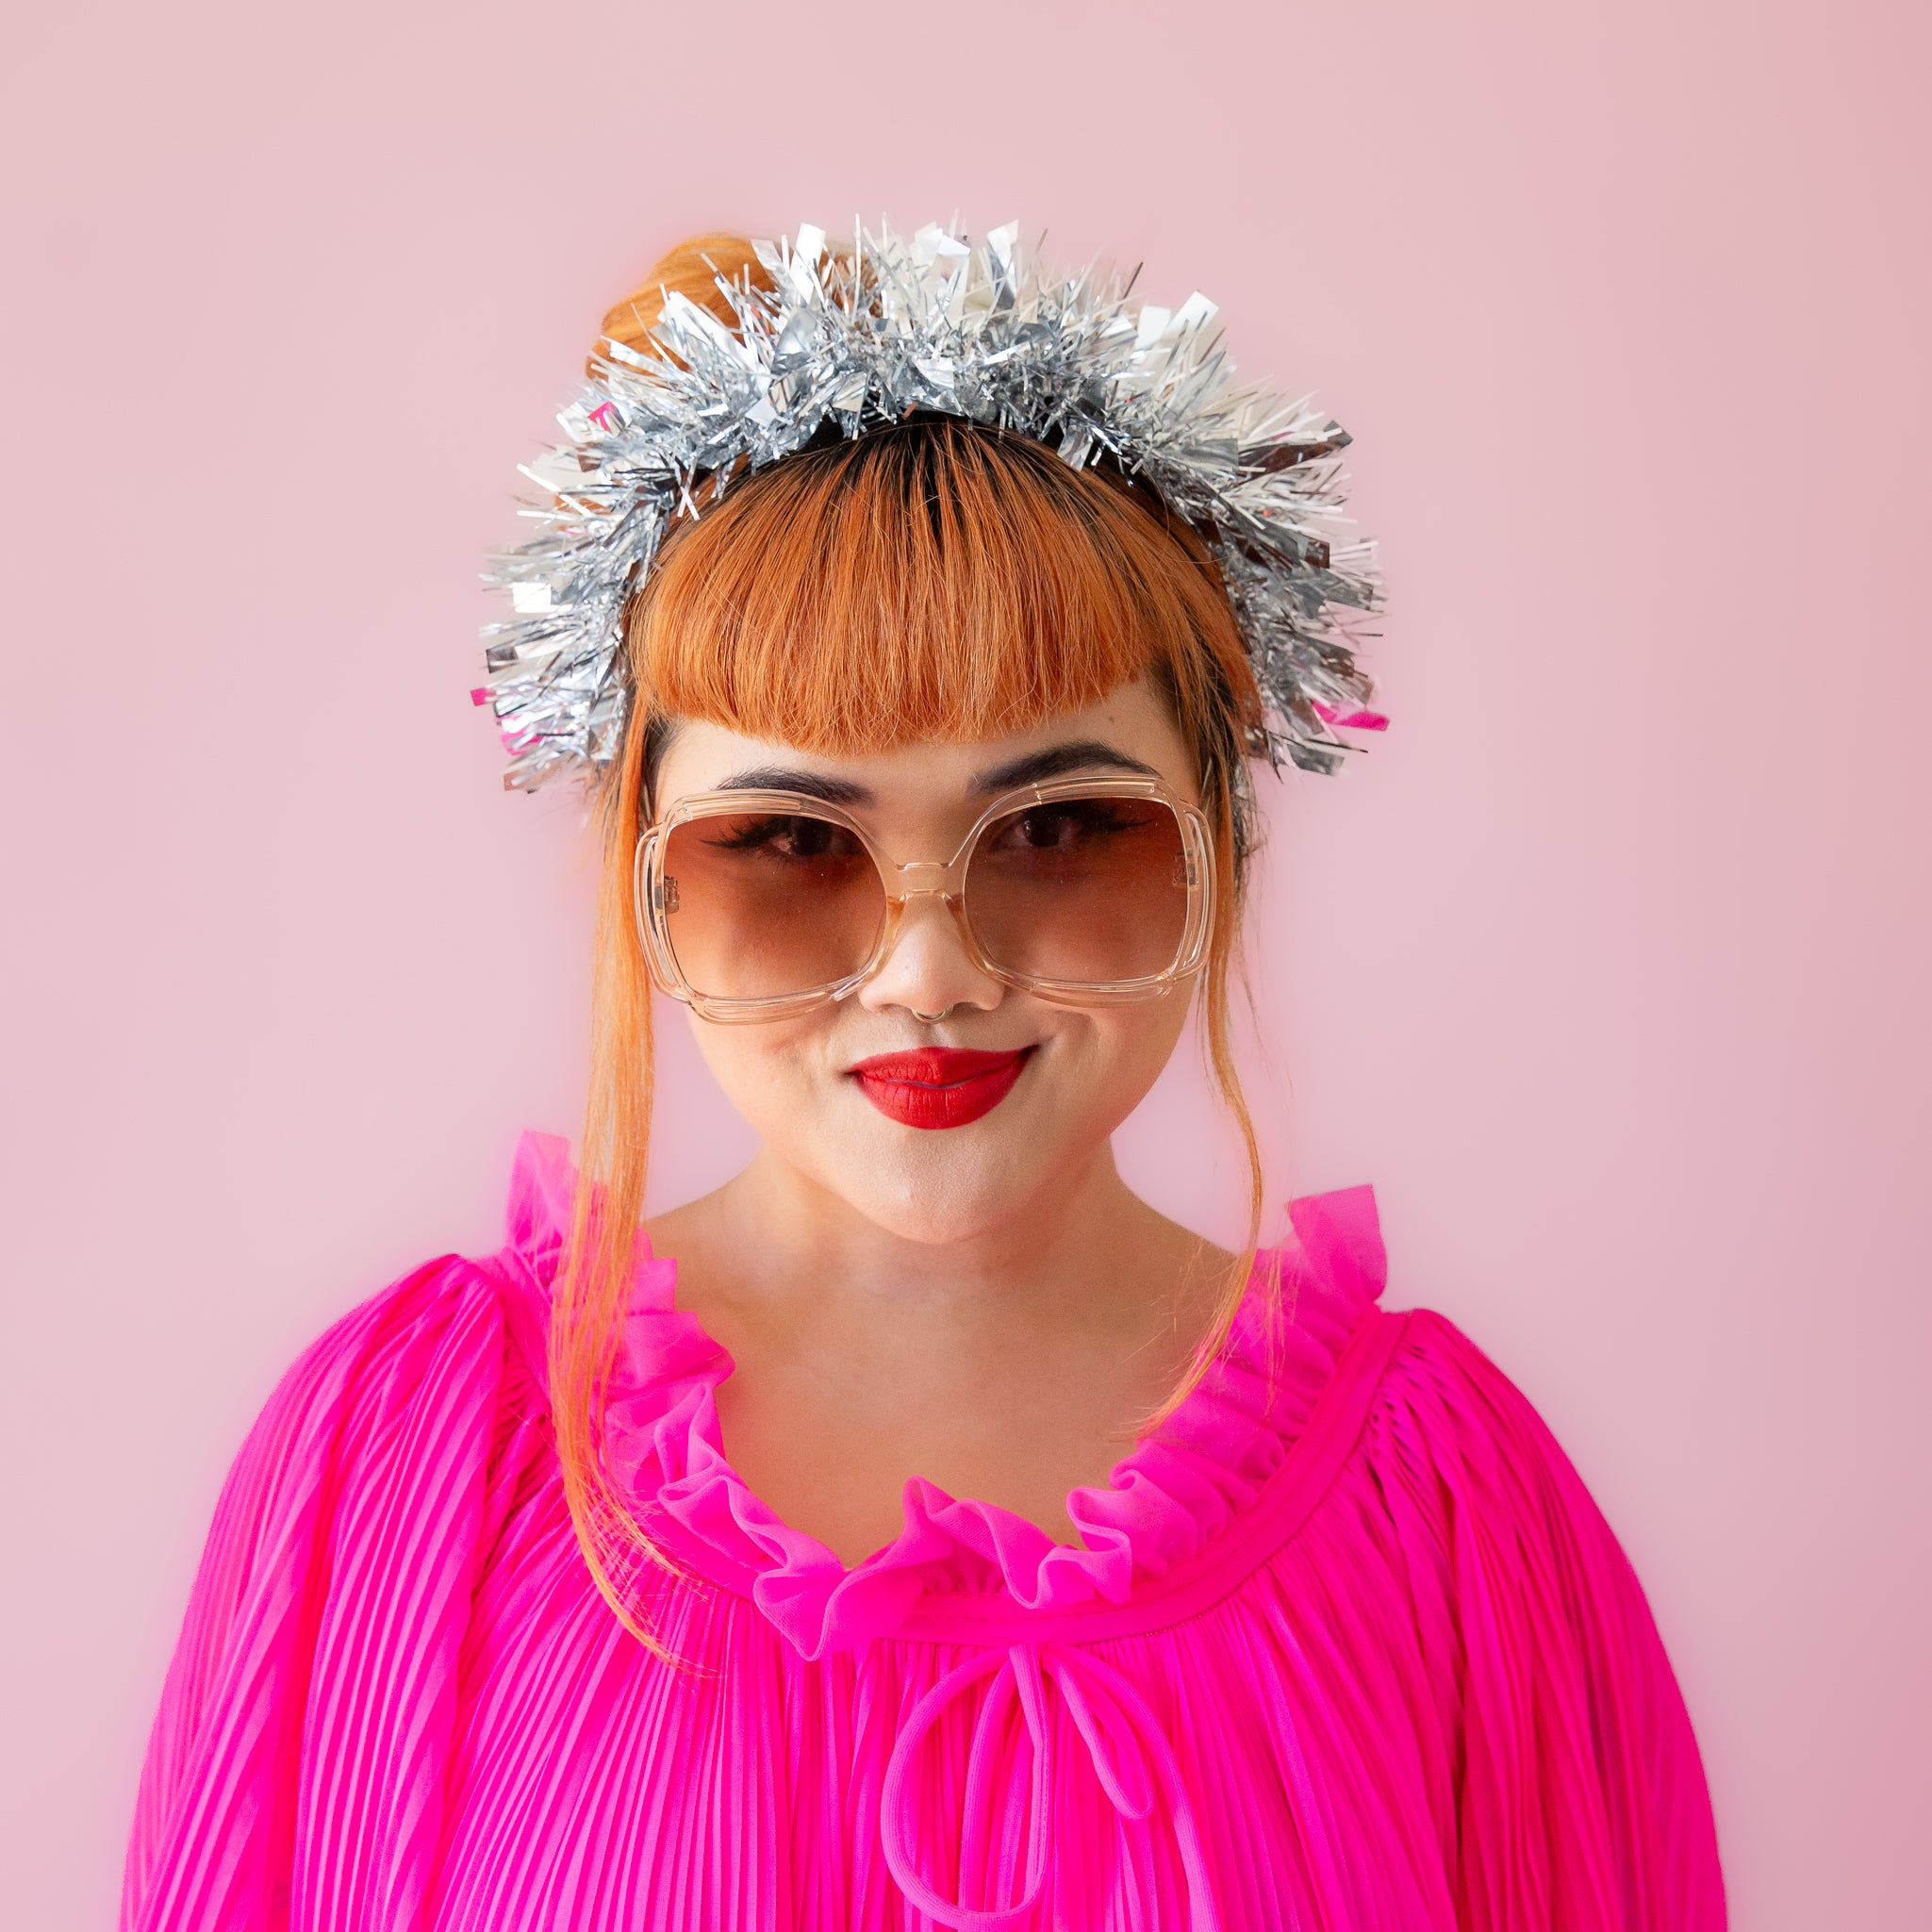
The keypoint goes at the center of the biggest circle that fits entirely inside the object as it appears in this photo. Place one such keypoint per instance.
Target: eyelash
(763, 832)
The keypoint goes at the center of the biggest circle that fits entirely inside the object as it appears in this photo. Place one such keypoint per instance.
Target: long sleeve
(1580, 1796)
(295, 1772)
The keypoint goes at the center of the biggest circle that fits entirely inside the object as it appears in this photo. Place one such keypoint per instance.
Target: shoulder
(420, 1374)
(386, 1435)
(1441, 1423)
(441, 1324)
(1442, 1402)
(1468, 1470)
(453, 1324)
(1443, 1390)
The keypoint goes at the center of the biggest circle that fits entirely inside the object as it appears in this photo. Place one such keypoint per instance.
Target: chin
(933, 1222)
(942, 1188)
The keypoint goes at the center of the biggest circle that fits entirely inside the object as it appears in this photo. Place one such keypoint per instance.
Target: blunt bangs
(931, 581)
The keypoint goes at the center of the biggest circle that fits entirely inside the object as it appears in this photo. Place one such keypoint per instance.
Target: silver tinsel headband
(927, 323)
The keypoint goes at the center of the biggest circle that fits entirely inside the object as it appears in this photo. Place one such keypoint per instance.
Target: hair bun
(691, 269)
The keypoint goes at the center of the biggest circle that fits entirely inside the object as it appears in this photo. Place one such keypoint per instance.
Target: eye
(1066, 827)
(785, 835)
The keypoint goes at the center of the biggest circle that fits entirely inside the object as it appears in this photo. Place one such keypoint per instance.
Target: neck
(1012, 1363)
(1083, 1251)
(1075, 1231)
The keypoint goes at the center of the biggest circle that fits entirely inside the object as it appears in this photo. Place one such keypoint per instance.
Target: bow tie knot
(1131, 1757)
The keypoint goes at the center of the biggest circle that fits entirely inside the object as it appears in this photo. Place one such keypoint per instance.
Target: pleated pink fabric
(1348, 1646)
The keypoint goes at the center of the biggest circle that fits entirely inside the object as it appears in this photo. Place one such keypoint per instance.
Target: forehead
(1132, 729)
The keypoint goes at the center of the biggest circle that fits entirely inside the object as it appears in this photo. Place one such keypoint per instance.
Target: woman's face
(802, 1083)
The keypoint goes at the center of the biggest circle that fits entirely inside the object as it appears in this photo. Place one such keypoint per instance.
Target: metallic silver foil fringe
(859, 339)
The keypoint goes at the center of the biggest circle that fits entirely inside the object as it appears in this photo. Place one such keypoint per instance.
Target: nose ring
(930, 1019)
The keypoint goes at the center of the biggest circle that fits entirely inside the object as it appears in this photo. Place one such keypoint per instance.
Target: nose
(928, 968)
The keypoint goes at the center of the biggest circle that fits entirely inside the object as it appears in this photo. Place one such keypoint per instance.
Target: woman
(943, 1536)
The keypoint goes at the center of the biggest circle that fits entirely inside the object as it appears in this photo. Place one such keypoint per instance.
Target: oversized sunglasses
(756, 906)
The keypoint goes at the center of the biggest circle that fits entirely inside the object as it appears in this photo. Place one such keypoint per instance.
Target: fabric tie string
(1131, 1757)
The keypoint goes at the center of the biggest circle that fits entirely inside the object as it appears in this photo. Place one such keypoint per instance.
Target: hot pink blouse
(1348, 1646)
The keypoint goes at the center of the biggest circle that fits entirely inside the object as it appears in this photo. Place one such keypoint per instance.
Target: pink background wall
(1609, 966)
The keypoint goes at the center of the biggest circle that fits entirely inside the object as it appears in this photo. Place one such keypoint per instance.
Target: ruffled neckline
(1173, 1493)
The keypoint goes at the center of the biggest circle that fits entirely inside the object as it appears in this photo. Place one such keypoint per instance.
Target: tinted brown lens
(758, 905)
(1090, 890)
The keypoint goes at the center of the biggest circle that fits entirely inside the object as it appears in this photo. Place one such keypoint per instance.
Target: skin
(989, 1307)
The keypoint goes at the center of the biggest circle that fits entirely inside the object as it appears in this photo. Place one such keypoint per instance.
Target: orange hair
(929, 579)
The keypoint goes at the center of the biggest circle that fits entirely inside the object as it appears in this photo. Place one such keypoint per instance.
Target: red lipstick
(939, 1086)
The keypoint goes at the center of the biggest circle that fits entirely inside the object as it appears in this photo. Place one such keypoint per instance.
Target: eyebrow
(1077, 754)
(810, 784)
(1032, 767)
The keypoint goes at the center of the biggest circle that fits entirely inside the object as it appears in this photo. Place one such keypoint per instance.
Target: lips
(939, 1086)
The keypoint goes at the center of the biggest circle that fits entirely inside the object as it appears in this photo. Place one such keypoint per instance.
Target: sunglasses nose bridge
(913, 965)
(924, 879)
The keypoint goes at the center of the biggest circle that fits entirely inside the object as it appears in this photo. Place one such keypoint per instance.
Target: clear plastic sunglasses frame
(902, 882)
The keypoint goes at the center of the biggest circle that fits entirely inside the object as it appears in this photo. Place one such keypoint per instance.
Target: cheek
(1121, 1056)
(769, 1072)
